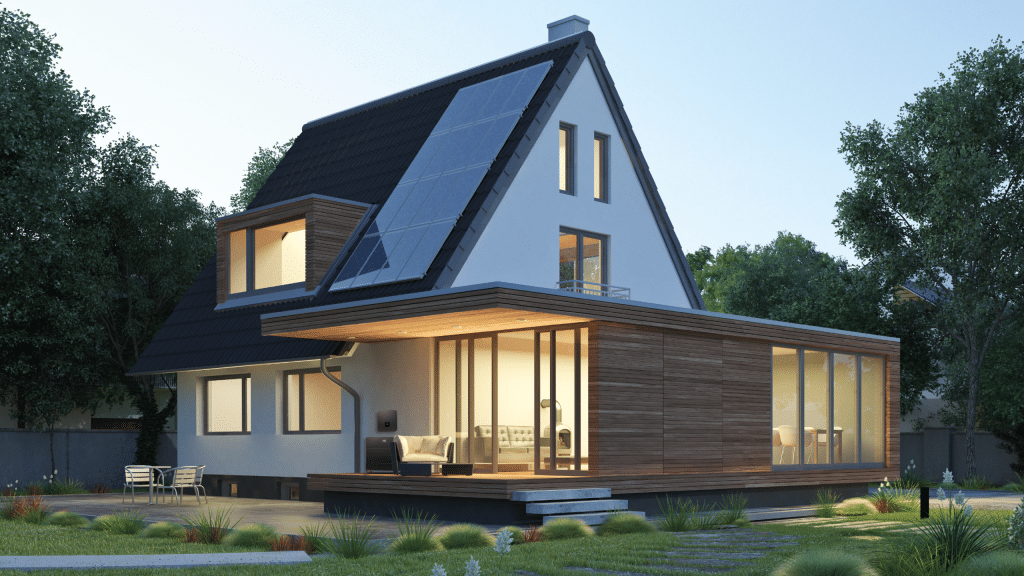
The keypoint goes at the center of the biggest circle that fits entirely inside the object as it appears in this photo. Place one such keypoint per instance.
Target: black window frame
(246, 394)
(580, 234)
(570, 158)
(250, 261)
(601, 187)
(302, 403)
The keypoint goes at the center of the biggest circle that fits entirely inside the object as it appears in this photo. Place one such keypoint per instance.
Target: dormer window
(267, 256)
(281, 250)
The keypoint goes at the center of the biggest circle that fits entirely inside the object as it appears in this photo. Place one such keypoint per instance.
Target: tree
(789, 280)
(144, 243)
(939, 199)
(259, 170)
(47, 143)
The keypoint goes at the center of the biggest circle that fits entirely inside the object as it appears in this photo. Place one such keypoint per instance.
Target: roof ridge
(510, 59)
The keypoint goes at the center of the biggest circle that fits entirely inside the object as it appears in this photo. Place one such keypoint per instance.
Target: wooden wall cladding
(626, 400)
(693, 404)
(329, 223)
(747, 398)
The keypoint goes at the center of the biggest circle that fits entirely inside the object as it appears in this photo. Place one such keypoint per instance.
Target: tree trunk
(152, 424)
(973, 381)
(53, 459)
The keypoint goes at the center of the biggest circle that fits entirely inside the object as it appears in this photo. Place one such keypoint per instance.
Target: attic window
(267, 256)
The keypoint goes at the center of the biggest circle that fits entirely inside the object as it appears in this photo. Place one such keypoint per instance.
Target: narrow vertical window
(600, 167)
(228, 405)
(566, 158)
(237, 260)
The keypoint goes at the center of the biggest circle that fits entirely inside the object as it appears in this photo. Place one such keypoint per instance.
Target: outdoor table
(152, 478)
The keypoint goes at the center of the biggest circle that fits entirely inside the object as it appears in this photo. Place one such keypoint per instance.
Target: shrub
(466, 536)
(416, 534)
(252, 536)
(856, 507)
(624, 523)
(290, 543)
(129, 523)
(1015, 531)
(531, 534)
(352, 538)
(825, 503)
(824, 563)
(208, 527)
(99, 488)
(565, 528)
(63, 487)
(66, 519)
(164, 530)
(314, 538)
(890, 498)
(992, 564)
(976, 483)
(517, 534)
(29, 509)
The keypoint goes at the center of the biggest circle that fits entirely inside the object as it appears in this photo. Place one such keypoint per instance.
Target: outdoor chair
(181, 478)
(416, 455)
(137, 476)
(198, 484)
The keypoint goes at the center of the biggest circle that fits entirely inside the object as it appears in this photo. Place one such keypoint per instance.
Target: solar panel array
(417, 217)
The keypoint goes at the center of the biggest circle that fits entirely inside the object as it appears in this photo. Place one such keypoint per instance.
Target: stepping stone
(704, 569)
(601, 571)
(723, 555)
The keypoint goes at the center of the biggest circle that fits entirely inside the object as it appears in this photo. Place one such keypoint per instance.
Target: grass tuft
(29, 509)
(209, 526)
(517, 534)
(67, 519)
(314, 538)
(992, 564)
(824, 563)
(128, 523)
(466, 536)
(825, 503)
(733, 509)
(565, 528)
(530, 535)
(623, 523)
(252, 536)
(416, 534)
(976, 483)
(163, 530)
(352, 538)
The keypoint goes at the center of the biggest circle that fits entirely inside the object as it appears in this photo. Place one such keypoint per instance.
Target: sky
(738, 106)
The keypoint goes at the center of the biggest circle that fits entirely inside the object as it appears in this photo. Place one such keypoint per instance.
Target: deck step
(592, 519)
(553, 495)
(575, 506)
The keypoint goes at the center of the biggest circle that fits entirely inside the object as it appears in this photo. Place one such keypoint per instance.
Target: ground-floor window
(828, 408)
(228, 405)
(312, 403)
(515, 401)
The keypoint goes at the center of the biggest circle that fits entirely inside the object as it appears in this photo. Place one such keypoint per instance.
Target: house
(397, 274)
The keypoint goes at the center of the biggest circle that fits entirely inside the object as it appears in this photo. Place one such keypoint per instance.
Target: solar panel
(412, 225)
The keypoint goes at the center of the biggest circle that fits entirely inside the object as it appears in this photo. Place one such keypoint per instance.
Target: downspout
(355, 409)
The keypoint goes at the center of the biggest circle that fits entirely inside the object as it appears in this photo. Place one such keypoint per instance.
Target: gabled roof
(360, 154)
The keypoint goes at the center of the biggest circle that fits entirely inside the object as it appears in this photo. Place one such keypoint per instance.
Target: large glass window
(227, 405)
(267, 256)
(312, 403)
(828, 409)
(566, 158)
(582, 261)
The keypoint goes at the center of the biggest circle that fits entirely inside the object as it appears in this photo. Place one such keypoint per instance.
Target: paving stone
(704, 569)
(710, 562)
(729, 555)
(601, 571)
(749, 544)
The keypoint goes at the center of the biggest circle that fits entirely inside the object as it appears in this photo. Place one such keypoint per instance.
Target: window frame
(570, 158)
(601, 184)
(831, 416)
(302, 403)
(246, 394)
(580, 234)
(250, 261)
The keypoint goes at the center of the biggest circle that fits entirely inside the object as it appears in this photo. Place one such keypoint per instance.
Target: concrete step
(551, 495)
(592, 519)
(576, 506)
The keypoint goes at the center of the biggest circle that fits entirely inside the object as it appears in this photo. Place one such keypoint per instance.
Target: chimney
(567, 27)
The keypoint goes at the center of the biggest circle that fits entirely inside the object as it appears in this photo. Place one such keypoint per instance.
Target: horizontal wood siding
(747, 402)
(328, 225)
(629, 382)
(693, 404)
(892, 399)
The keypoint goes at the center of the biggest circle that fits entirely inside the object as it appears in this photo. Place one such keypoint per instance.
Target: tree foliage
(789, 280)
(47, 132)
(257, 172)
(146, 243)
(939, 199)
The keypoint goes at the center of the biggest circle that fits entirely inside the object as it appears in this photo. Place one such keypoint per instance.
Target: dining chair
(789, 438)
(197, 485)
(138, 476)
(182, 477)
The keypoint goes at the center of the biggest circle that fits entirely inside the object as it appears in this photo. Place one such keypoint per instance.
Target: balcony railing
(594, 288)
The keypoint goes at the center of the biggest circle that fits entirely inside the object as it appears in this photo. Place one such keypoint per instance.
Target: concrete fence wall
(933, 450)
(88, 456)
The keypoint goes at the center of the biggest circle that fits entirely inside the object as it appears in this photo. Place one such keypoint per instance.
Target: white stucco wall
(387, 376)
(520, 243)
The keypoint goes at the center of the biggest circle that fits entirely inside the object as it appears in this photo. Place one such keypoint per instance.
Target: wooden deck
(501, 486)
